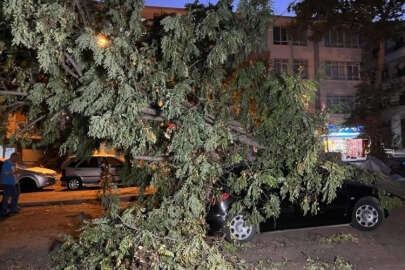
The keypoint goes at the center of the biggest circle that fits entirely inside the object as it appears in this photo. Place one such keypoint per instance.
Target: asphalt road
(27, 238)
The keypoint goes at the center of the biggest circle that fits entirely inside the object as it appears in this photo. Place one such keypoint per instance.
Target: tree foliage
(187, 94)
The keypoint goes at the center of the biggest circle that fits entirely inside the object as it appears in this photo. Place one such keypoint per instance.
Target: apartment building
(335, 59)
(149, 12)
(394, 82)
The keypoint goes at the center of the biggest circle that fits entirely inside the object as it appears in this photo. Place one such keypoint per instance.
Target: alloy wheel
(74, 184)
(239, 228)
(367, 216)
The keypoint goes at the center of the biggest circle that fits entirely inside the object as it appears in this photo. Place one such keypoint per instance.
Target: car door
(332, 213)
(292, 216)
(286, 220)
(89, 171)
(115, 167)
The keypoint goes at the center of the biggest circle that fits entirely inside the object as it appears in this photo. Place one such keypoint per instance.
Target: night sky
(280, 6)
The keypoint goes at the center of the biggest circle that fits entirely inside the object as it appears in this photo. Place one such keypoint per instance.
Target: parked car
(79, 173)
(33, 178)
(355, 203)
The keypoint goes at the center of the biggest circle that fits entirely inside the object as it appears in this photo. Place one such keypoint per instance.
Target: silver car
(33, 178)
(78, 173)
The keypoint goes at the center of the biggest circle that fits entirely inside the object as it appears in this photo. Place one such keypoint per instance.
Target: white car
(33, 178)
(78, 173)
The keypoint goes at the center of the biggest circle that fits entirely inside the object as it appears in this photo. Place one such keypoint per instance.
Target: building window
(280, 65)
(352, 40)
(280, 35)
(353, 71)
(340, 104)
(335, 70)
(342, 70)
(341, 39)
(299, 38)
(300, 66)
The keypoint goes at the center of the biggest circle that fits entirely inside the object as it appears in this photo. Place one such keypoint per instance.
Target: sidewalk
(381, 249)
(55, 195)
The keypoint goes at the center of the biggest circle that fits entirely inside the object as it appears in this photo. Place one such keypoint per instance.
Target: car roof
(69, 158)
(96, 155)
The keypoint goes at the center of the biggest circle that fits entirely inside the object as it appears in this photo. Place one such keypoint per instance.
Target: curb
(129, 198)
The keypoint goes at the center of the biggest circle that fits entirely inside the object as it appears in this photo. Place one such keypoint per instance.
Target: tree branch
(21, 132)
(150, 111)
(152, 118)
(12, 93)
(74, 64)
(129, 226)
(68, 70)
(81, 12)
(150, 158)
(237, 131)
(15, 104)
(246, 140)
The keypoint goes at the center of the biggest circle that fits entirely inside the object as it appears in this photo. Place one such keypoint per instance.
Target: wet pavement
(57, 194)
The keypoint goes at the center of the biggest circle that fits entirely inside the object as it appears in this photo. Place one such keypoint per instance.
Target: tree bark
(380, 62)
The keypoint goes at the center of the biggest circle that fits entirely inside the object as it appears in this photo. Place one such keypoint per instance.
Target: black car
(355, 202)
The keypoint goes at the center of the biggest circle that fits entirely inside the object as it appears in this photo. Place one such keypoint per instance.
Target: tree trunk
(380, 62)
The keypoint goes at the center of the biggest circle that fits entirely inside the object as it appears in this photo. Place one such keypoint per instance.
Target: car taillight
(224, 196)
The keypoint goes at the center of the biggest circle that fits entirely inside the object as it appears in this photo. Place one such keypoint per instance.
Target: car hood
(40, 170)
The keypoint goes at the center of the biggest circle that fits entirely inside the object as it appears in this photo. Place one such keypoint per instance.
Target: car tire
(238, 228)
(27, 185)
(74, 184)
(367, 214)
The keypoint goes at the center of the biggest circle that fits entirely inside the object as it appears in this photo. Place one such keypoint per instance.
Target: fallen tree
(188, 94)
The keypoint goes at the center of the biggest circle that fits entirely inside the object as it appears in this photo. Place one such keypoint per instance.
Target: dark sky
(279, 6)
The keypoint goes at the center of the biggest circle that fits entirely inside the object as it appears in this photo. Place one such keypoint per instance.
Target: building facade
(335, 60)
(394, 82)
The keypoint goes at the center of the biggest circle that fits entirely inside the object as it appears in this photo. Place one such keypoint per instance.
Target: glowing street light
(102, 41)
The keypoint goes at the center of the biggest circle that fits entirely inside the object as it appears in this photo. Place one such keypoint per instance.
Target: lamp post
(102, 41)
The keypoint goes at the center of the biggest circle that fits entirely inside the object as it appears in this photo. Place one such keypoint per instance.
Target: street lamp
(102, 41)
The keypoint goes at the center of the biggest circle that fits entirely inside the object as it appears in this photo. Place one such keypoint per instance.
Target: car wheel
(27, 185)
(74, 184)
(239, 229)
(367, 214)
